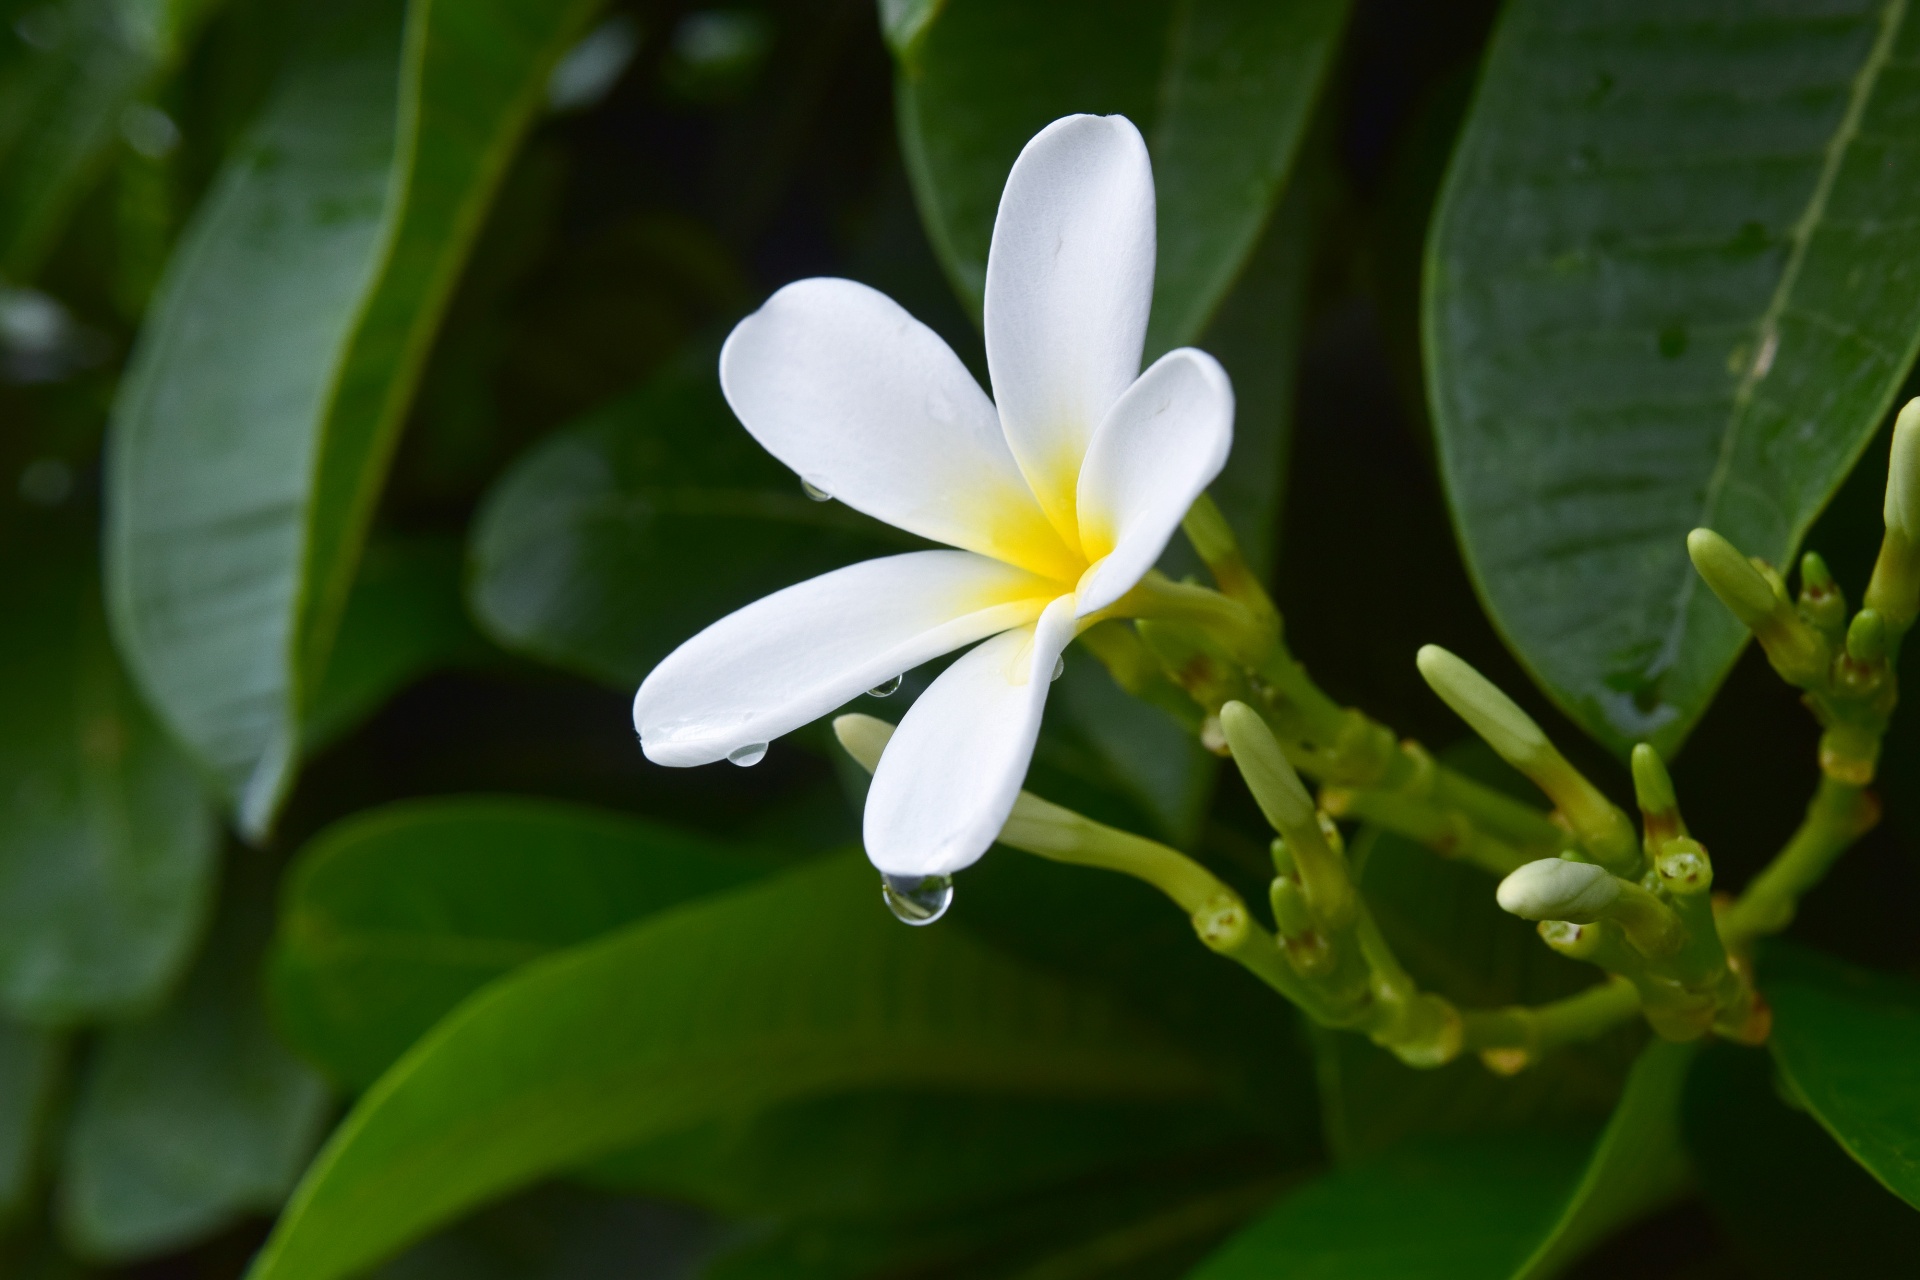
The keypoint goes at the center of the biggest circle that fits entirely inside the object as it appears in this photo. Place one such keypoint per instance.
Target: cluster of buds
(1637, 906)
(1321, 924)
(1844, 665)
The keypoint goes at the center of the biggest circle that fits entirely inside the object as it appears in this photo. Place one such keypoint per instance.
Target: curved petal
(949, 777)
(1069, 281)
(869, 405)
(1164, 442)
(799, 653)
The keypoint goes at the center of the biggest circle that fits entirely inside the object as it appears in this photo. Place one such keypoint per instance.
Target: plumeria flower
(1057, 496)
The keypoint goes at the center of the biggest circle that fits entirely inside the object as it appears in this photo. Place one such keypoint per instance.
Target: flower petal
(1069, 281)
(948, 778)
(792, 657)
(869, 405)
(1164, 442)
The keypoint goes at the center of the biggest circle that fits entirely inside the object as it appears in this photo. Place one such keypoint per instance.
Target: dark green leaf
(1221, 88)
(107, 844)
(1672, 282)
(1847, 1042)
(564, 1233)
(30, 1061)
(896, 1153)
(406, 617)
(613, 542)
(1790, 1201)
(1469, 1209)
(195, 1117)
(68, 92)
(1520, 1206)
(798, 986)
(255, 426)
(394, 916)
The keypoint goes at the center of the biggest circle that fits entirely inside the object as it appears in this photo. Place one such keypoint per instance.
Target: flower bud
(1653, 787)
(1903, 474)
(1822, 603)
(1491, 713)
(1283, 798)
(1867, 638)
(863, 738)
(1759, 600)
(1602, 828)
(1555, 889)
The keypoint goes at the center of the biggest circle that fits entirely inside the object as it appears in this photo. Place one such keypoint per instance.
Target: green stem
(1530, 1030)
(1839, 814)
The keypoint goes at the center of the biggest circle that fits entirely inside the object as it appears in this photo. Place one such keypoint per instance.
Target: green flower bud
(1759, 600)
(1867, 638)
(1555, 889)
(1903, 474)
(1491, 713)
(863, 738)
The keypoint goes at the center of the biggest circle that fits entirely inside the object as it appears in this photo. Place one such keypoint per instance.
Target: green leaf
(405, 618)
(191, 1119)
(1671, 283)
(1847, 1042)
(798, 986)
(65, 95)
(107, 845)
(1521, 1206)
(392, 917)
(30, 1063)
(267, 389)
(893, 1152)
(1221, 89)
(614, 541)
(1789, 1201)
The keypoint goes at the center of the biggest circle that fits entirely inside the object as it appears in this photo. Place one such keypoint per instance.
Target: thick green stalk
(1838, 815)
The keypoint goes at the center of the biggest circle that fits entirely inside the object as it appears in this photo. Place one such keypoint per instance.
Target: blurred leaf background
(360, 450)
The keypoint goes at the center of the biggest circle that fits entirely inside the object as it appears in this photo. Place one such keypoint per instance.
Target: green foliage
(1845, 1040)
(1669, 285)
(396, 915)
(661, 487)
(768, 993)
(107, 850)
(248, 452)
(1478, 1207)
(366, 353)
(191, 1118)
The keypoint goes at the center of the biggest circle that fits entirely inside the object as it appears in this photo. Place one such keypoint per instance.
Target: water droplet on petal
(1059, 667)
(917, 900)
(815, 490)
(940, 407)
(751, 754)
(886, 688)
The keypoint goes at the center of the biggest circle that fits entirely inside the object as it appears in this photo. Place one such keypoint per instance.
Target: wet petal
(1163, 443)
(868, 405)
(949, 776)
(797, 654)
(1069, 281)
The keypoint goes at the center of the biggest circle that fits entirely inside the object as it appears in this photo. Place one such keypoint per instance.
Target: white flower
(1058, 501)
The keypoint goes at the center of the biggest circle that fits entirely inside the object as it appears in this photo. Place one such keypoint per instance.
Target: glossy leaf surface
(190, 1119)
(1847, 1042)
(394, 916)
(1519, 1206)
(796, 986)
(256, 422)
(108, 846)
(1221, 88)
(611, 543)
(1672, 282)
